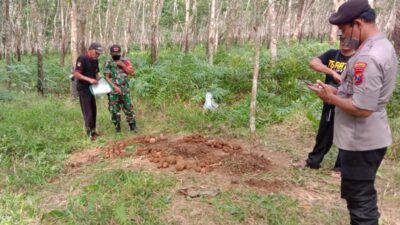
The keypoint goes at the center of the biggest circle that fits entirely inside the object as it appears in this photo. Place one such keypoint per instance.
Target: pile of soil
(192, 152)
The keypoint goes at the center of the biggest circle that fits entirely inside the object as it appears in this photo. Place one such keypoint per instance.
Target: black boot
(91, 134)
(118, 127)
(132, 127)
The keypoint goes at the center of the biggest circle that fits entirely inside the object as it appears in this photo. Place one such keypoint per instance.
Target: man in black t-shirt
(332, 63)
(87, 73)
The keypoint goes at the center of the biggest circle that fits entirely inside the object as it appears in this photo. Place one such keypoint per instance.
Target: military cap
(349, 11)
(97, 47)
(115, 50)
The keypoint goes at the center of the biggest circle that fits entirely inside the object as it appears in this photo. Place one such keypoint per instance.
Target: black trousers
(89, 109)
(357, 185)
(324, 139)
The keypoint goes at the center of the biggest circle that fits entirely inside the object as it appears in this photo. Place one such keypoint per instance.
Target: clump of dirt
(271, 186)
(246, 163)
(192, 152)
(201, 154)
(84, 157)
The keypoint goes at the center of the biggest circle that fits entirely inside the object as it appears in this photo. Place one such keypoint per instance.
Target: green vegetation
(118, 197)
(38, 133)
(266, 209)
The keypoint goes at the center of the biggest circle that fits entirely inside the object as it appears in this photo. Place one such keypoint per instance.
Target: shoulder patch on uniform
(359, 68)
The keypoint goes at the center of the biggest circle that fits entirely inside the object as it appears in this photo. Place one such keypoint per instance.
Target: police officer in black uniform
(87, 73)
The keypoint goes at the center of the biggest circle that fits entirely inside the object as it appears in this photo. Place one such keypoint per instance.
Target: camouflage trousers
(116, 102)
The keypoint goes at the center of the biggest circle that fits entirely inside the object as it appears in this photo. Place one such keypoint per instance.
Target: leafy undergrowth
(116, 197)
(38, 134)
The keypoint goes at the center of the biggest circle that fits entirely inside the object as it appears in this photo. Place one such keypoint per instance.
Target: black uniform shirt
(334, 60)
(87, 67)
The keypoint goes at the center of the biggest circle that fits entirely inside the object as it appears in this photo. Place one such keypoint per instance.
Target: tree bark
(154, 32)
(18, 32)
(81, 27)
(187, 26)
(38, 43)
(6, 40)
(288, 27)
(334, 29)
(143, 34)
(74, 50)
(230, 30)
(211, 34)
(396, 30)
(257, 41)
(63, 36)
(272, 30)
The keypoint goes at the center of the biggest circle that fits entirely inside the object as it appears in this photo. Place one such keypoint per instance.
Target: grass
(38, 133)
(267, 209)
(116, 197)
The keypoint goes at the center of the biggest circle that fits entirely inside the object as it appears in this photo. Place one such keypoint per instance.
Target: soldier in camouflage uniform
(116, 72)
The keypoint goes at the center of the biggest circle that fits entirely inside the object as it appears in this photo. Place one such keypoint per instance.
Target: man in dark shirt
(87, 73)
(332, 63)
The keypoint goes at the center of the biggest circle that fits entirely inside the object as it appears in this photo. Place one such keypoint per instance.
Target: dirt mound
(199, 153)
(192, 152)
(84, 157)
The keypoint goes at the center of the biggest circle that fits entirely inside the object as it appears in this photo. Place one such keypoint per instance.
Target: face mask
(116, 57)
(350, 42)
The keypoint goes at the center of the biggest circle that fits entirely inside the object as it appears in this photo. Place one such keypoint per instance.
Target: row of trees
(27, 25)
(37, 26)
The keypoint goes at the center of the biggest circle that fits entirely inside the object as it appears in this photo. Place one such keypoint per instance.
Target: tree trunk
(334, 29)
(390, 22)
(127, 30)
(108, 21)
(288, 27)
(211, 34)
(174, 39)
(187, 26)
(154, 32)
(6, 39)
(230, 30)
(143, 34)
(38, 43)
(272, 31)
(253, 99)
(74, 50)
(193, 20)
(18, 32)
(396, 30)
(81, 27)
(62, 28)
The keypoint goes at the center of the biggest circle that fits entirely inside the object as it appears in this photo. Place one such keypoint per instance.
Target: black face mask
(116, 57)
(350, 42)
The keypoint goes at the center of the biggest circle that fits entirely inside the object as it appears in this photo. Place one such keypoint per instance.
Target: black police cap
(349, 11)
(97, 47)
(115, 50)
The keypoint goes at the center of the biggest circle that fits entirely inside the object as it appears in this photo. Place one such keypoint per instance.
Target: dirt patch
(199, 153)
(270, 186)
(84, 157)
(191, 152)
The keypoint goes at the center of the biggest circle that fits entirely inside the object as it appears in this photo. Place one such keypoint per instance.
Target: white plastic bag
(101, 88)
(209, 102)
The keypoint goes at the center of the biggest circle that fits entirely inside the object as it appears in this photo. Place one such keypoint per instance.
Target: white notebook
(101, 88)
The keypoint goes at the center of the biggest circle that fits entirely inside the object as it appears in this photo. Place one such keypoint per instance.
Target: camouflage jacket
(118, 75)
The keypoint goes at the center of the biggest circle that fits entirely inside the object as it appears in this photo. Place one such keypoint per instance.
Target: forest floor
(205, 167)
